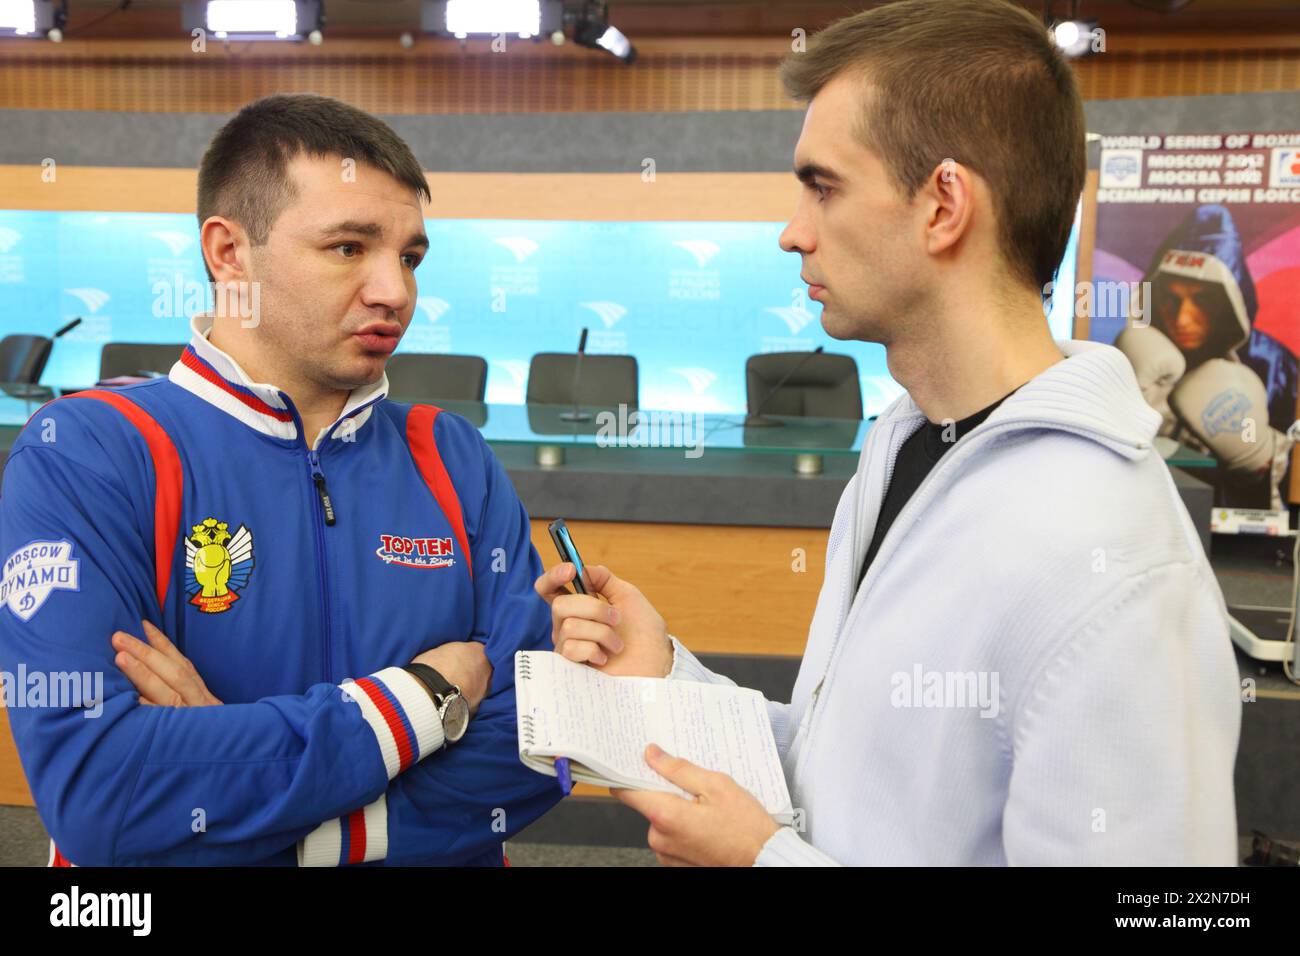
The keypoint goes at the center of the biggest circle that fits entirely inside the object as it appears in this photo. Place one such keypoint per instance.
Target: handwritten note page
(574, 710)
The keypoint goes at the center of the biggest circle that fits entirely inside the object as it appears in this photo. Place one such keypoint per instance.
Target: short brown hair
(244, 173)
(976, 81)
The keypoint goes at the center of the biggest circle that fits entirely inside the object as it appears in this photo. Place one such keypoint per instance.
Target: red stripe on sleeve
(168, 482)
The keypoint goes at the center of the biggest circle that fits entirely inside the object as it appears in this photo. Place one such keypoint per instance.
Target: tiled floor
(23, 843)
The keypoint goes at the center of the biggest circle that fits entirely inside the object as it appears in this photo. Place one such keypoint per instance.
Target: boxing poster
(1196, 279)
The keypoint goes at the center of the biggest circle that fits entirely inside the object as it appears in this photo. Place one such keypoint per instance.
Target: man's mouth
(379, 337)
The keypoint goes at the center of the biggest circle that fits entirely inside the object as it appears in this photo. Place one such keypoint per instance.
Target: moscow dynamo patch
(34, 572)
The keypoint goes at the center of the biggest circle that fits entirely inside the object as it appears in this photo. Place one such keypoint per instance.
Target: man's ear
(949, 193)
(224, 244)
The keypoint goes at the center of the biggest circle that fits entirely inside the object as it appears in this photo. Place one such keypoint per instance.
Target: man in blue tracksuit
(326, 563)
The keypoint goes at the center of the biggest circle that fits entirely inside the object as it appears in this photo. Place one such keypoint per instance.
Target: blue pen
(562, 773)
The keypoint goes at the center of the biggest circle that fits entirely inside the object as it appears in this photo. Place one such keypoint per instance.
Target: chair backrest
(606, 381)
(23, 357)
(420, 377)
(824, 386)
(132, 358)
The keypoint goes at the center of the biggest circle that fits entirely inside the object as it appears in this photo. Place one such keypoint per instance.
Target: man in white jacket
(1019, 654)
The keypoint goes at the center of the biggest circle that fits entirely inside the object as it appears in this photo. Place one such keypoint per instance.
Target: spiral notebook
(603, 724)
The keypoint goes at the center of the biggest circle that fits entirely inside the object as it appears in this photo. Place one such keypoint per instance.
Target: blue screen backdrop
(691, 300)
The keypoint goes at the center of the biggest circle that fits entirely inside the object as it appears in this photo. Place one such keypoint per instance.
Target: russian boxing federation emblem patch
(217, 564)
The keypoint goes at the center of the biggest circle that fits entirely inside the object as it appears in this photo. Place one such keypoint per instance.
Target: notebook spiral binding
(526, 731)
(525, 668)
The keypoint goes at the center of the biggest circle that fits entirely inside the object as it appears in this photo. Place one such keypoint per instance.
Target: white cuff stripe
(378, 725)
(414, 702)
(324, 845)
(418, 707)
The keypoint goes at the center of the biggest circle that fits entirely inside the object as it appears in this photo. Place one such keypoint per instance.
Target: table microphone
(577, 414)
(67, 328)
(757, 420)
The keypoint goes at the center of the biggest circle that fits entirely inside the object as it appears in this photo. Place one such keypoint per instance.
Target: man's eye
(821, 191)
(415, 258)
(346, 245)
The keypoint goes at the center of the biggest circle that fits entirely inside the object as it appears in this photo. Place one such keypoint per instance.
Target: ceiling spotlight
(592, 29)
(256, 19)
(1076, 38)
(33, 19)
(484, 18)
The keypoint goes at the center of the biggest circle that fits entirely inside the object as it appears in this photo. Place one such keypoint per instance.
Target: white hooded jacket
(1036, 668)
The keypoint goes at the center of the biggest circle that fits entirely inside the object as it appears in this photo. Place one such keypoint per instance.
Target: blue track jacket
(298, 580)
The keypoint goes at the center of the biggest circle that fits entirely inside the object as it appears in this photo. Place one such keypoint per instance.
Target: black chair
(23, 358)
(824, 386)
(606, 381)
(132, 358)
(420, 377)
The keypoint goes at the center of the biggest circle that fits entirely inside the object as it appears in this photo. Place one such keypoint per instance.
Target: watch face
(455, 719)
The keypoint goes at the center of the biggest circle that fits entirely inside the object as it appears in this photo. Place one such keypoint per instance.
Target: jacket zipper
(324, 515)
(318, 477)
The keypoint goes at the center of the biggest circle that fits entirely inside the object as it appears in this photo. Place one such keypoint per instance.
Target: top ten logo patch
(415, 552)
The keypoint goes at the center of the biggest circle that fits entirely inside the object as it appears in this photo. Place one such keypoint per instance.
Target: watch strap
(439, 687)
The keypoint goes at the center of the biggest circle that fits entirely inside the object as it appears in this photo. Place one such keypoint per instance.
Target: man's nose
(386, 285)
(797, 235)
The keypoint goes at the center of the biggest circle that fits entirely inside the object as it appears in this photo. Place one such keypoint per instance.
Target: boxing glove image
(1158, 365)
(1225, 405)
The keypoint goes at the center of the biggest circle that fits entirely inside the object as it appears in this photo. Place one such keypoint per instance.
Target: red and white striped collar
(212, 375)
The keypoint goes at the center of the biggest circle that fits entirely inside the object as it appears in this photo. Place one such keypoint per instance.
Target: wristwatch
(452, 707)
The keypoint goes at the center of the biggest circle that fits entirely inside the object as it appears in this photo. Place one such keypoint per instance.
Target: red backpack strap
(168, 482)
(419, 436)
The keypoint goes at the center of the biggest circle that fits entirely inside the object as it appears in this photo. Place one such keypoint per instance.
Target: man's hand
(723, 826)
(465, 664)
(626, 637)
(162, 674)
